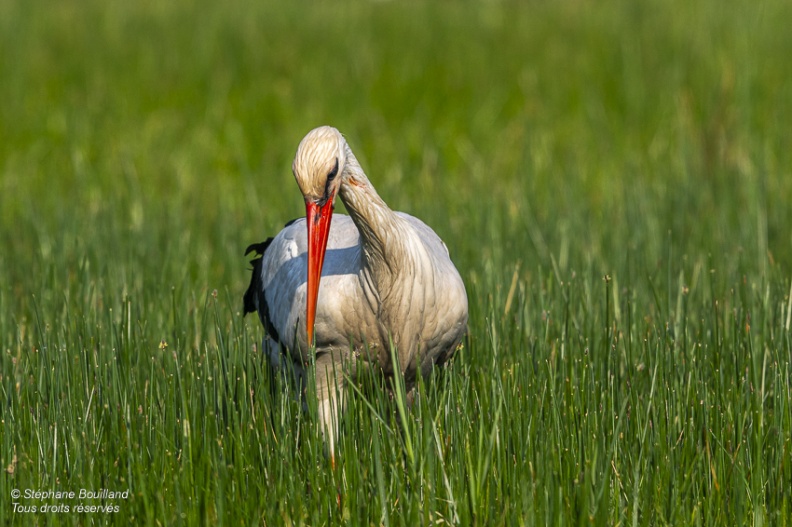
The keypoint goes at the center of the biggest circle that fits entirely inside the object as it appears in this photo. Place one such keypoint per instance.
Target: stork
(342, 295)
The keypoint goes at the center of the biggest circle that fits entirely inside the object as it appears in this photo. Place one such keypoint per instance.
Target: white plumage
(385, 277)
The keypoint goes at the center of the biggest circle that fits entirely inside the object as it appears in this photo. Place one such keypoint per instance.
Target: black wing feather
(255, 296)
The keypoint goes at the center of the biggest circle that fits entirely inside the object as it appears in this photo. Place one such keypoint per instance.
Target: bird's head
(319, 164)
(318, 168)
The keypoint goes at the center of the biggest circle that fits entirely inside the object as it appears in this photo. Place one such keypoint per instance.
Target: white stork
(386, 277)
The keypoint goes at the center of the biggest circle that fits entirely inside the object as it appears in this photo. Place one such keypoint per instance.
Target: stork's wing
(277, 288)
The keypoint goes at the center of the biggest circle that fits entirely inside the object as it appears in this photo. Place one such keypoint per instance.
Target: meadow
(613, 180)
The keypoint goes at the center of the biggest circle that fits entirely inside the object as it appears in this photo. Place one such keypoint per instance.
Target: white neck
(381, 230)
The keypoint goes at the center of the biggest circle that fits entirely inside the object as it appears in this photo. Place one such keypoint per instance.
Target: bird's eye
(333, 173)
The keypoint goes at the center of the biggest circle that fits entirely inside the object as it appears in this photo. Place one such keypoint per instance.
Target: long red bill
(318, 219)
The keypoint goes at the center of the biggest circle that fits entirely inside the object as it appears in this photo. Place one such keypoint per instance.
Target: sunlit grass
(612, 181)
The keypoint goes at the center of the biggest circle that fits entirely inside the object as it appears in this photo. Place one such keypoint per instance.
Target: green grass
(613, 180)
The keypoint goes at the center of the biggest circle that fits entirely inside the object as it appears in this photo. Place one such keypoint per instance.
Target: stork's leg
(331, 396)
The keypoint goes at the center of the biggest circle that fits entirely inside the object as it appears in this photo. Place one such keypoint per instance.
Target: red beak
(318, 219)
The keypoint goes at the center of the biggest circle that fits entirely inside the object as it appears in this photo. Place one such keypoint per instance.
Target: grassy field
(613, 180)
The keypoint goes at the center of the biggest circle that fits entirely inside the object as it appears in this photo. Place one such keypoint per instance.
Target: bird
(372, 291)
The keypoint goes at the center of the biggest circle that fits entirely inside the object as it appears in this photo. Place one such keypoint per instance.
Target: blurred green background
(162, 129)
